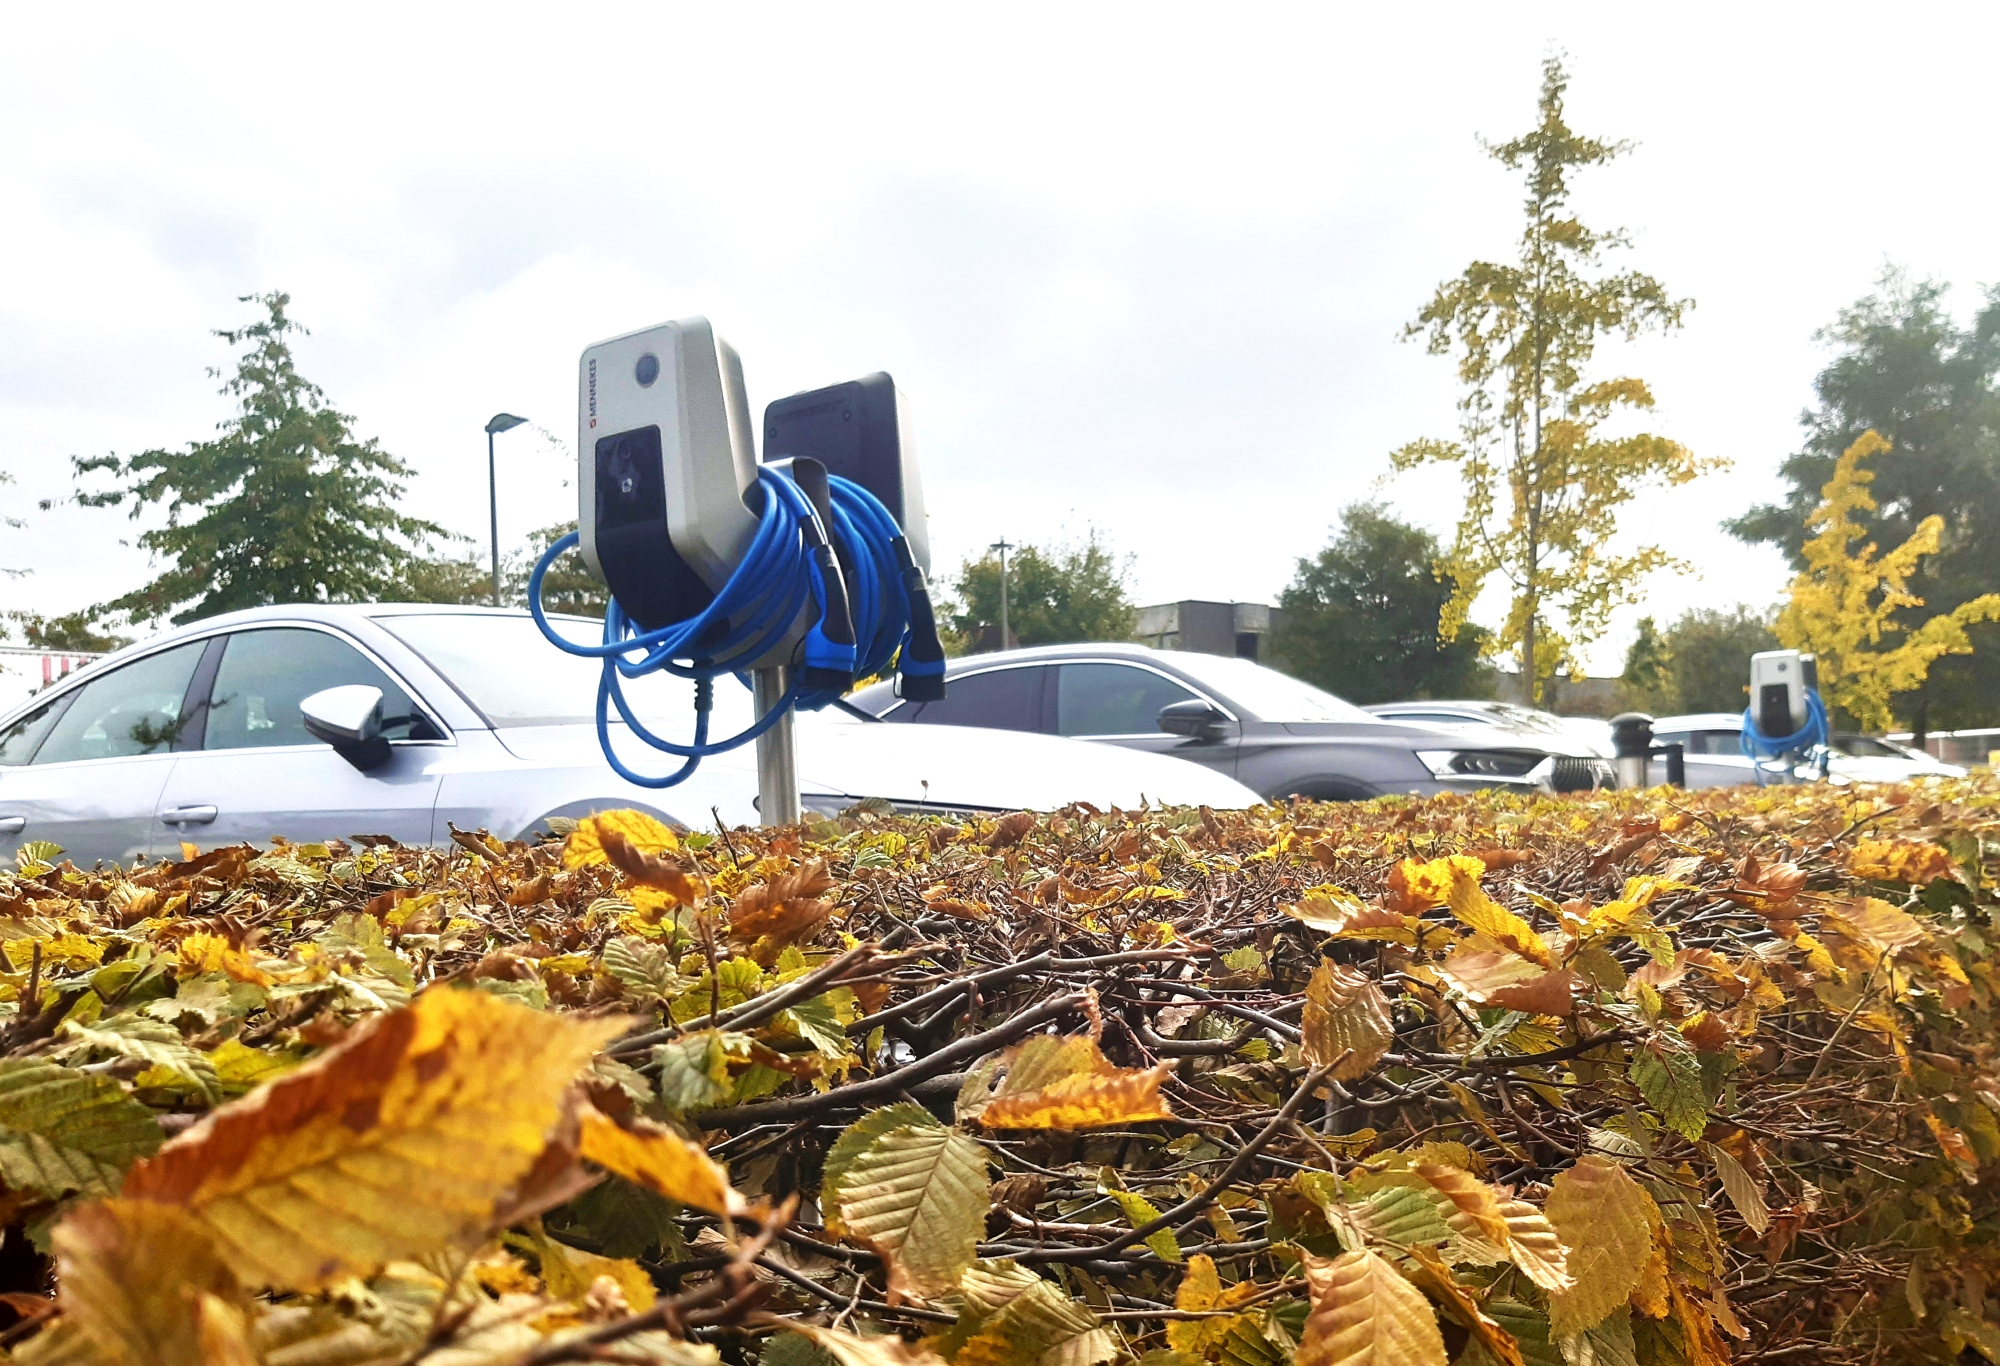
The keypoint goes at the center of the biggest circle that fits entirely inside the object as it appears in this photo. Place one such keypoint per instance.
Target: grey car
(206, 734)
(1581, 744)
(1263, 728)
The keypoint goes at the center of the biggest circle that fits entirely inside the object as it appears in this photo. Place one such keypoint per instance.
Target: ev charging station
(798, 574)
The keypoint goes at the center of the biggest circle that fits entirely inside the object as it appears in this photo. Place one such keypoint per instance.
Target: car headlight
(1513, 766)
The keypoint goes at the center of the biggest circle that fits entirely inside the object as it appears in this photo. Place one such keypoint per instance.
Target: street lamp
(1003, 547)
(499, 422)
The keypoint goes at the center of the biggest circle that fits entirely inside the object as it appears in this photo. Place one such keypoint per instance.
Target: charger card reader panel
(857, 430)
(665, 457)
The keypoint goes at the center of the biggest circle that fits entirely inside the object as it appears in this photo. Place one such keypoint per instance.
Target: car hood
(952, 766)
(1437, 735)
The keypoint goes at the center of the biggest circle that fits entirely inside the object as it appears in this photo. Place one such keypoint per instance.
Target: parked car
(1582, 743)
(198, 734)
(1715, 757)
(1280, 736)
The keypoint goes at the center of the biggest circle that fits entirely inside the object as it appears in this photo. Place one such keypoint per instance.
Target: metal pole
(777, 752)
(493, 506)
(1002, 546)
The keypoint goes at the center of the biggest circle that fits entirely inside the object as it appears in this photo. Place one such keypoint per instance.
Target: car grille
(1573, 774)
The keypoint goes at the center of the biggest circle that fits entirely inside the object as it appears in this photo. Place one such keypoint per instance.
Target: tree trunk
(1920, 719)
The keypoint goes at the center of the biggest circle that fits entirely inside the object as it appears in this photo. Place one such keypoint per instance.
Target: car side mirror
(349, 718)
(1194, 718)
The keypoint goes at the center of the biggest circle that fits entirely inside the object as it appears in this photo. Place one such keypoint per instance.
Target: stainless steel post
(777, 752)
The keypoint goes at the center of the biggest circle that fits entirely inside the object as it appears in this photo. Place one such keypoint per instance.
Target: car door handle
(13, 825)
(188, 815)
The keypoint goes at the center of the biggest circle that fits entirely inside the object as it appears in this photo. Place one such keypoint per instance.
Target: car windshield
(1525, 718)
(507, 670)
(1265, 693)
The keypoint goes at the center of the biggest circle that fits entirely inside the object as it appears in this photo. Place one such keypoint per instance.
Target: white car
(198, 735)
(1715, 758)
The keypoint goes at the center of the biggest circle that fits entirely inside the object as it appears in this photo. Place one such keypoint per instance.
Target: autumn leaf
(1875, 924)
(132, 1304)
(63, 1130)
(850, 1349)
(1069, 1084)
(1504, 979)
(1472, 907)
(1418, 887)
(1342, 915)
(1019, 1319)
(398, 1142)
(661, 1161)
(1364, 1313)
(1740, 1187)
(1345, 1022)
(1514, 1227)
(768, 916)
(643, 834)
(1671, 1084)
(1435, 1276)
(1916, 862)
(1605, 1220)
(918, 1196)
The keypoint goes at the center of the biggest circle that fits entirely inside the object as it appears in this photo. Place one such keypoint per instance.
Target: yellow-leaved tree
(1849, 605)
(1544, 478)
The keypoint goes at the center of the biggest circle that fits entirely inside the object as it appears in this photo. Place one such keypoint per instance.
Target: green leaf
(1671, 1084)
(818, 1025)
(153, 1042)
(1039, 1327)
(855, 1140)
(1607, 1344)
(918, 1195)
(694, 1072)
(64, 1131)
(1139, 1210)
(646, 970)
(1399, 1215)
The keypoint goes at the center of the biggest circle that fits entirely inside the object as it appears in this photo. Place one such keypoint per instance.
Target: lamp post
(1002, 546)
(499, 422)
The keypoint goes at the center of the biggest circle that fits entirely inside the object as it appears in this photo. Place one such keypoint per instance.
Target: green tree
(1902, 367)
(1701, 662)
(569, 586)
(1542, 486)
(82, 631)
(283, 505)
(1055, 594)
(1360, 619)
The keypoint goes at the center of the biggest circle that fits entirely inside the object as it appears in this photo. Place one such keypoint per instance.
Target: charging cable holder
(795, 573)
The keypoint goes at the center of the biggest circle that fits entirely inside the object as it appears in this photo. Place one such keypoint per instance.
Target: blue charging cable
(1812, 739)
(874, 615)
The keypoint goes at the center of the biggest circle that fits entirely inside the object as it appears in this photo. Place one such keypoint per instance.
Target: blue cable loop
(755, 610)
(1812, 738)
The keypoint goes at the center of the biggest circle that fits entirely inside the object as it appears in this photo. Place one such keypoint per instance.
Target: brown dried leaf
(1365, 1314)
(1345, 1023)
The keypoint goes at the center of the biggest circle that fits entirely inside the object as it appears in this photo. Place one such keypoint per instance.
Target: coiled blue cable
(783, 568)
(1811, 738)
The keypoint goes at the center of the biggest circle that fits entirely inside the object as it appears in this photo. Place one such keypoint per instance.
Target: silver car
(1270, 731)
(1715, 758)
(199, 735)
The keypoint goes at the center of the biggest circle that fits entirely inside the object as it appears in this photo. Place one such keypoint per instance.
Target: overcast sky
(1141, 268)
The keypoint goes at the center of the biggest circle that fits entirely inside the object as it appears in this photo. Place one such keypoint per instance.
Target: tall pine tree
(282, 505)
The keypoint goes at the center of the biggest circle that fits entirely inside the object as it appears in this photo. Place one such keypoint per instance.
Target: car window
(1428, 718)
(1717, 742)
(1855, 746)
(18, 741)
(1676, 737)
(1112, 699)
(1005, 699)
(134, 709)
(266, 674)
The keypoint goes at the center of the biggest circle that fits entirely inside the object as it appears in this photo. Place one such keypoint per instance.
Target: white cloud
(1137, 267)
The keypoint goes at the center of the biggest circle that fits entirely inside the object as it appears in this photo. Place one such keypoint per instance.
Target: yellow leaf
(1436, 1276)
(851, 1350)
(1365, 1314)
(1605, 1221)
(1514, 1227)
(1417, 886)
(1472, 907)
(661, 1161)
(1345, 1022)
(1649, 1295)
(571, 1274)
(398, 1142)
(1873, 922)
(918, 1195)
(644, 833)
(1070, 1084)
(204, 953)
(1895, 860)
(135, 1302)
